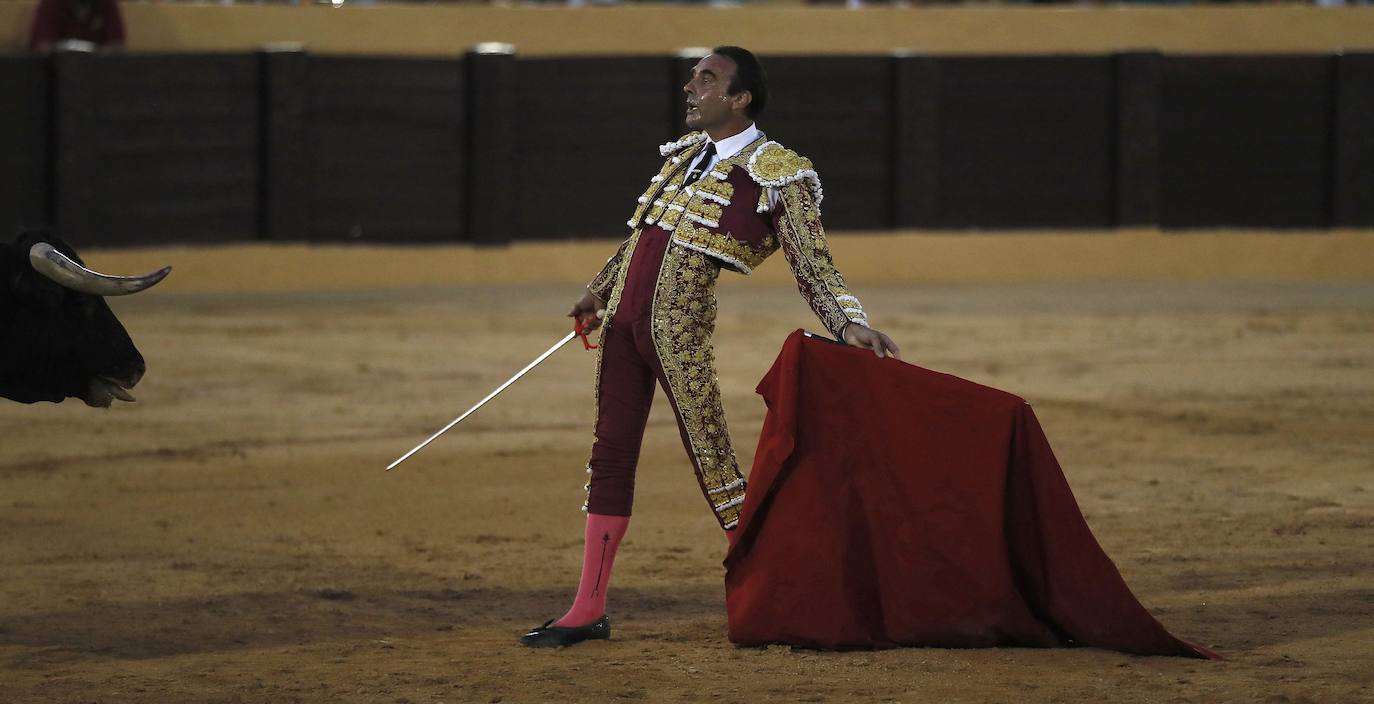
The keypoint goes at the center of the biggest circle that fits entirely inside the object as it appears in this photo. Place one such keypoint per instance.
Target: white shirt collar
(731, 146)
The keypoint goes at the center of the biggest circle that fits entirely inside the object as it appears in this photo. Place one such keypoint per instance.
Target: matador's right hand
(588, 310)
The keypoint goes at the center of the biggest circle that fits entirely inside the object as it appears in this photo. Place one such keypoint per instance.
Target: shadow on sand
(303, 617)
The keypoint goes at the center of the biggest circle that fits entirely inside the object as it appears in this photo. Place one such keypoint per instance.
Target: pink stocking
(603, 537)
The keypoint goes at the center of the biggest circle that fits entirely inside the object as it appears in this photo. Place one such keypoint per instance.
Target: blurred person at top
(87, 23)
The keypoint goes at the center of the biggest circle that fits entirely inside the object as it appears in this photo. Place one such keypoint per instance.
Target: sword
(578, 331)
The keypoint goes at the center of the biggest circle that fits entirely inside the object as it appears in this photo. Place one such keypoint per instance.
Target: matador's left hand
(859, 336)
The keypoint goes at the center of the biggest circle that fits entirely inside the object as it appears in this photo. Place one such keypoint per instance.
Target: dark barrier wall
(916, 142)
(24, 161)
(491, 169)
(1353, 178)
(837, 111)
(587, 142)
(1244, 140)
(154, 148)
(1136, 196)
(490, 147)
(1025, 142)
(364, 148)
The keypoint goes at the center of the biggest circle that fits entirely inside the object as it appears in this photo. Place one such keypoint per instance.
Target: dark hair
(749, 75)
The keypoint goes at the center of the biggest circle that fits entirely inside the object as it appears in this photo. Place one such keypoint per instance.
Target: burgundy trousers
(628, 371)
(625, 383)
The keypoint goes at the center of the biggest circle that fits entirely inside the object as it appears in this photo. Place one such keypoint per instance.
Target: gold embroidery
(613, 302)
(683, 318)
(775, 162)
(667, 198)
(602, 284)
(804, 246)
(684, 210)
(655, 214)
(703, 208)
(719, 188)
(774, 166)
(733, 253)
(673, 200)
(673, 173)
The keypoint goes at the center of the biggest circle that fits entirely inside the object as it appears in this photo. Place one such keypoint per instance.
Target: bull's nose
(134, 377)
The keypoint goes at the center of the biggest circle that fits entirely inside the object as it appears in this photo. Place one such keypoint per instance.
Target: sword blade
(483, 402)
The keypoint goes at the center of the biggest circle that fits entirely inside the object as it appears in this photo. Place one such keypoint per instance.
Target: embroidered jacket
(728, 215)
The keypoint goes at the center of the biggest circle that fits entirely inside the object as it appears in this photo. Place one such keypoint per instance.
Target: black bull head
(58, 338)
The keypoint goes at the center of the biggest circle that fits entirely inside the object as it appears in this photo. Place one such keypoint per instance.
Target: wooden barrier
(25, 166)
(493, 147)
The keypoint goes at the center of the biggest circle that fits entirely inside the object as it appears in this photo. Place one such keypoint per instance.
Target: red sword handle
(581, 331)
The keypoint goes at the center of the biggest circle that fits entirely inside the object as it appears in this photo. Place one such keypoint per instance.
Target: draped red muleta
(892, 505)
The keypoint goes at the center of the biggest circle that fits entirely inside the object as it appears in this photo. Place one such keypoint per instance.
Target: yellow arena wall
(871, 259)
(436, 30)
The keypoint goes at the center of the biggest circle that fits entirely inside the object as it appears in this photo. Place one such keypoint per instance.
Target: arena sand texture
(233, 538)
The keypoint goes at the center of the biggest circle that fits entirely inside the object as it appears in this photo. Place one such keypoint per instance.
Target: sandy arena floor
(233, 538)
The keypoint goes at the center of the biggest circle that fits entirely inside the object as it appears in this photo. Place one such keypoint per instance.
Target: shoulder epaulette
(774, 166)
(686, 141)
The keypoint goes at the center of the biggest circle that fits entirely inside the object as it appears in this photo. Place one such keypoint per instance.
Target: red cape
(893, 505)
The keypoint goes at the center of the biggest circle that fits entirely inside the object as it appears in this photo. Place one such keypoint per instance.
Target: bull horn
(57, 266)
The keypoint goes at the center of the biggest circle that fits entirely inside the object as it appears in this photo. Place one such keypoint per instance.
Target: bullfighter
(725, 198)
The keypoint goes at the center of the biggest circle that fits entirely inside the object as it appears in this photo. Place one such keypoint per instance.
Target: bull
(58, 337)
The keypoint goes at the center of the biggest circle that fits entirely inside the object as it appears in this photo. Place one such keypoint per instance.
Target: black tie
(695, 174)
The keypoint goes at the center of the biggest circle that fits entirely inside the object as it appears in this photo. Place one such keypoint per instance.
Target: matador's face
(709, 103)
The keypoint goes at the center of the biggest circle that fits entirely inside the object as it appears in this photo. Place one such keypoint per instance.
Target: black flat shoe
(547, 636)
